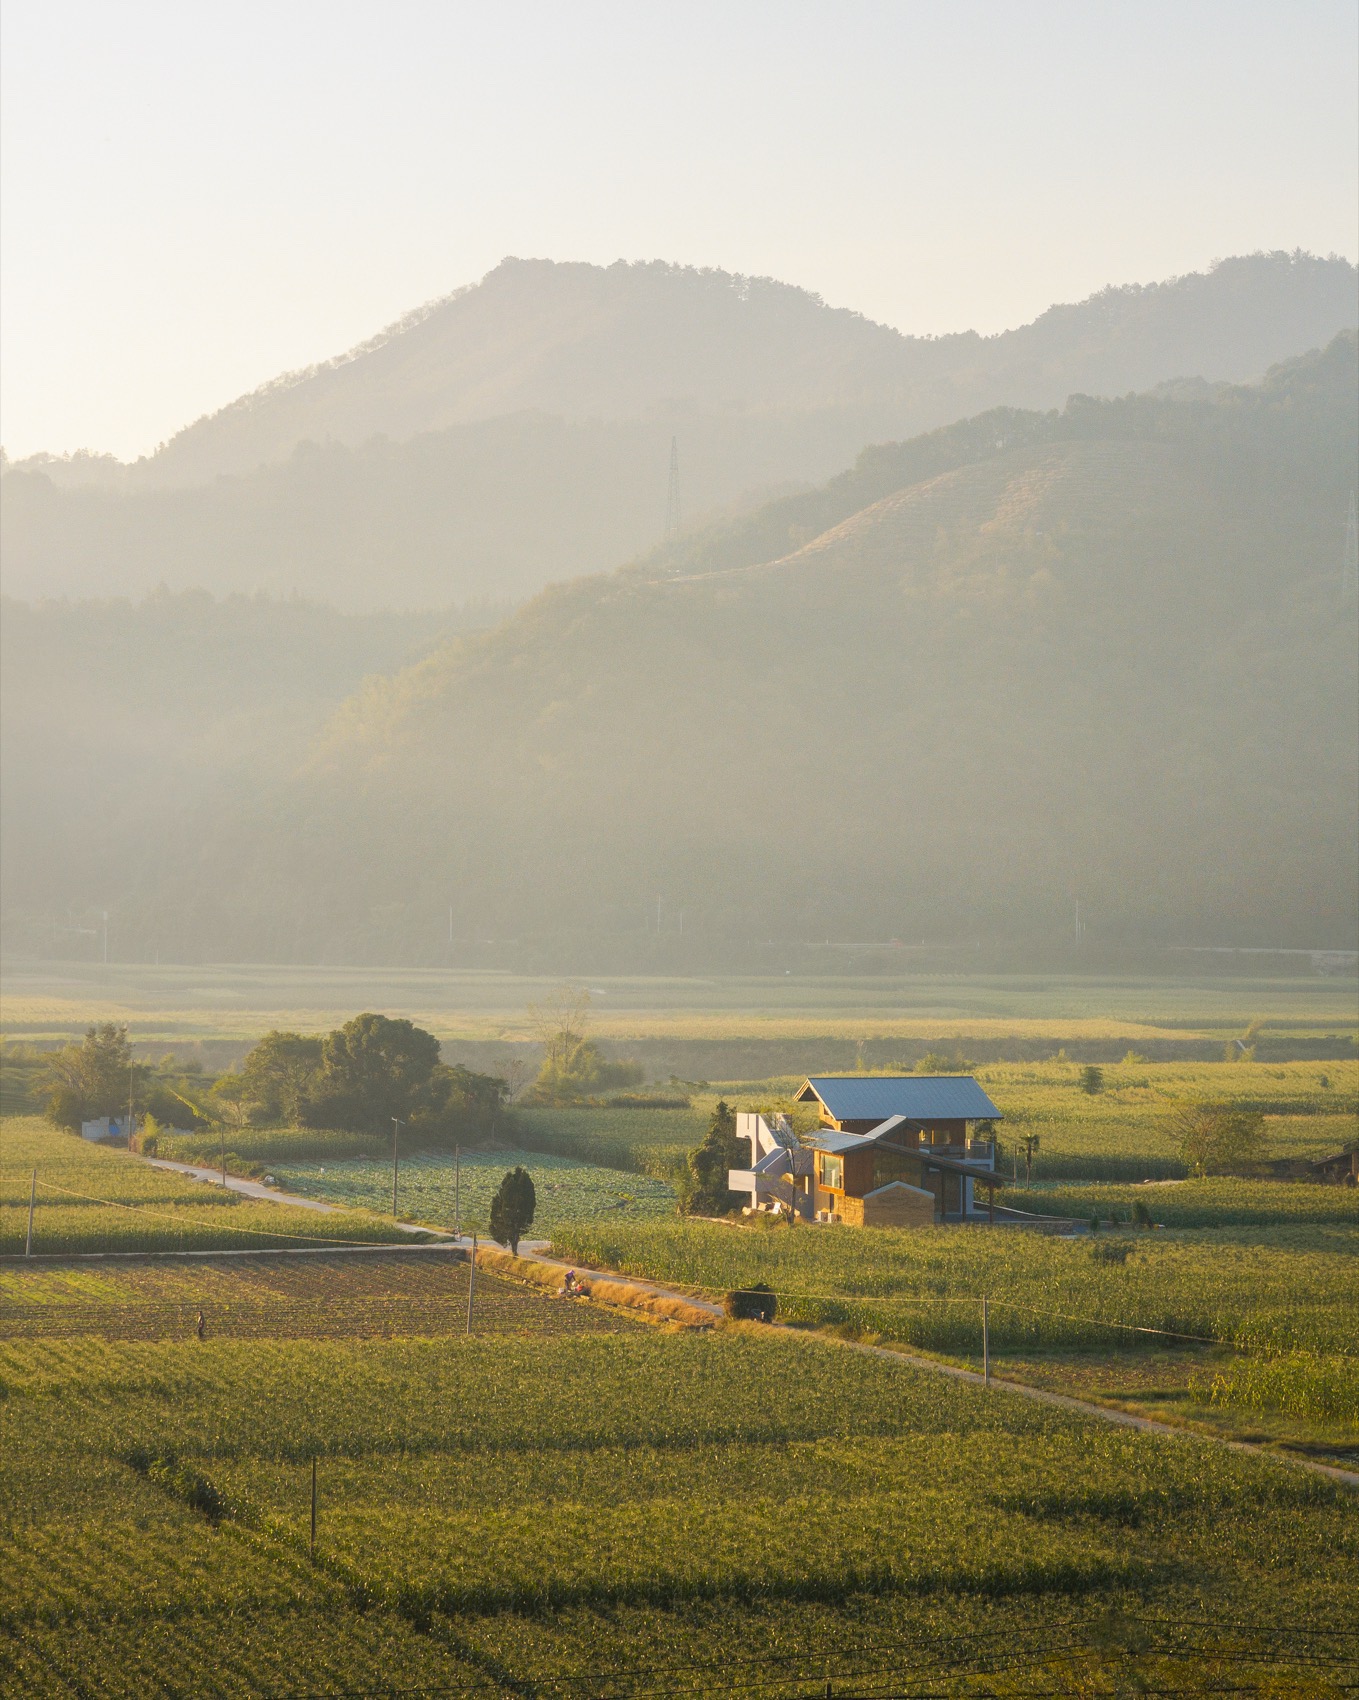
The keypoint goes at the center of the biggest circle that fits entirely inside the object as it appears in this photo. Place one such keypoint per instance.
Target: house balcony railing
(982, 1152)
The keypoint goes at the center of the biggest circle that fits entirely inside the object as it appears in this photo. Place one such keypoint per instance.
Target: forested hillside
(118, 717)
(518, 433)
(1103, 656)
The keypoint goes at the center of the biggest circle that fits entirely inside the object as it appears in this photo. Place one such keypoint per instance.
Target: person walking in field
(201, 1327)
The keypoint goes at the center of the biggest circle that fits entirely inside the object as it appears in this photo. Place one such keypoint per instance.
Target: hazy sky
(199, 196)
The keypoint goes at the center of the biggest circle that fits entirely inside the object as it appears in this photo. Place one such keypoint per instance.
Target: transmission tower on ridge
(672, 501)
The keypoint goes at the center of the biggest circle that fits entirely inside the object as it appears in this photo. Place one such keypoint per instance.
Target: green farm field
(567, 1190)
(1243, 1332)
(321, 1296)
(632, 1512)
(93, 1199)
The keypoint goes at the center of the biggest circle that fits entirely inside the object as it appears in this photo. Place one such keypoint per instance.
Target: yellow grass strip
(624, 1293)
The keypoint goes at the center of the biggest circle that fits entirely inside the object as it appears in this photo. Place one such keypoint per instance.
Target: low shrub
(751, 1304)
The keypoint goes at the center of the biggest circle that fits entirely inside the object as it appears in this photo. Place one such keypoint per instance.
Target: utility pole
(658, 915)
(450, 923)
(457, 1189)
(131, 1078)
(471, 1281)
(986, 1344)
(313, 1508)
(32, 1200)
(396, 1161)
(1349, 569)
(672, 497)
(106, 938)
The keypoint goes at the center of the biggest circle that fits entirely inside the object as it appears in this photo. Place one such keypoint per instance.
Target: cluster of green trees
(362, 1076)
(97, 1077)
(574, 1069)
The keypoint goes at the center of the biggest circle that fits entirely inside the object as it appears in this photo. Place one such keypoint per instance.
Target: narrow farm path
(234, 1183)
(270, 1195)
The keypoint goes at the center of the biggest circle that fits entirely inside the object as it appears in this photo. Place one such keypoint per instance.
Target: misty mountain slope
(519, 432)
(117, 717)
(492, 510)
(1111, 666)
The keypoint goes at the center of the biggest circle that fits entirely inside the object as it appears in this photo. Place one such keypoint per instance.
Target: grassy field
(1217, 1201)
(567, 1191)
(224, 1003)
(626, 1513)
(93, 1199)
(649, 1142)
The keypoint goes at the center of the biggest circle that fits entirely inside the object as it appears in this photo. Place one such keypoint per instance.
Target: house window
(832, 1172)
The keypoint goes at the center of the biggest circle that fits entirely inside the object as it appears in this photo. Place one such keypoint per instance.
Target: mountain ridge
(494, 509)
(1106, 661)
(553, 305)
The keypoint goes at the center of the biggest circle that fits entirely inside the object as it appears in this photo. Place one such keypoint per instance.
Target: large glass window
(832, 1172)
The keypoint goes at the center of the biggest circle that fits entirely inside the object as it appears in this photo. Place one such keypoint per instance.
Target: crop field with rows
(1267, 1326)
(566, 1190)
(287, 1297)
(93, 1199)
(1262, 1210)
(649, 1142)
(1127, 1133)
(631, 1512)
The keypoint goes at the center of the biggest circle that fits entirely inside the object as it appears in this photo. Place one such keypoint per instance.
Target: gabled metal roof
(918, 1097)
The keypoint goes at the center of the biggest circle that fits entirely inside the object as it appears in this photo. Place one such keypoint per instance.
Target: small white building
(104, 1128)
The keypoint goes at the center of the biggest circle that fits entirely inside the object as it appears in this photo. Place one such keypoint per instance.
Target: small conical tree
(707, 1193)
(512, 1208)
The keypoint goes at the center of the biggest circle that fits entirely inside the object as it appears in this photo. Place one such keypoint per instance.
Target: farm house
(891, 1151)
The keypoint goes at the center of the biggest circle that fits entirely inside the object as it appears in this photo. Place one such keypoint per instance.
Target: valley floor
(580, 1504)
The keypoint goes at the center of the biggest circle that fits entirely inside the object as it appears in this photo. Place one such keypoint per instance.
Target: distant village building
(1340, 1170)
(892, 1151)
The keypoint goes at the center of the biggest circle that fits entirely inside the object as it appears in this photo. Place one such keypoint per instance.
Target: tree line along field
(632, 1512)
